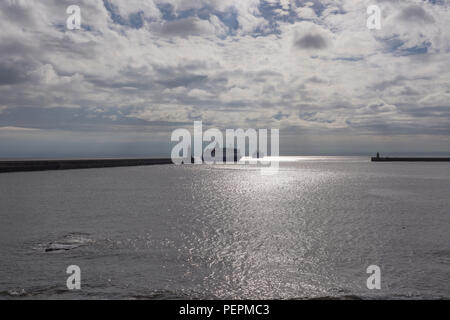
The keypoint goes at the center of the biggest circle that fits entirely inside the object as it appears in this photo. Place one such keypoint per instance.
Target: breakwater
(409, 159)
(44, 165)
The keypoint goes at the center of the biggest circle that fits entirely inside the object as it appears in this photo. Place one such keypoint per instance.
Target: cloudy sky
(138, 69)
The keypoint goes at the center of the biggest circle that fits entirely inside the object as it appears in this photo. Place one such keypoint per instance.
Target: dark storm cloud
(423, 112)
(383, 85)
(182, 27)
(388, 127)
(315, 79)
(77, 118)
(415, 14)
(311, 41)
(280, 115)
(314, 117)
(397, 81)
(183, 81)
(11, 47)
(407, 91)
(17, 13)
(129, 77)
(69, 48)
(15, 72)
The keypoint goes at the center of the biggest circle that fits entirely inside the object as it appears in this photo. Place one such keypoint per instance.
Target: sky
(137, 70)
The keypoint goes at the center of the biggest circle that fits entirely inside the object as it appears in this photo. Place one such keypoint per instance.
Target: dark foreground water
(227, 231)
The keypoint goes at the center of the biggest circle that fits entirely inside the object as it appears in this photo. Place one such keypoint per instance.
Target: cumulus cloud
(303, 66)
(415, 14)
(186, 27)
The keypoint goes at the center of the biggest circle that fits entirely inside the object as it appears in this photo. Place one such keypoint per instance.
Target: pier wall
(44, 165)
(407, 159)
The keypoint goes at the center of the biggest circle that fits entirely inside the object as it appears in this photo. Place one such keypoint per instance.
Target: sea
(316, 229)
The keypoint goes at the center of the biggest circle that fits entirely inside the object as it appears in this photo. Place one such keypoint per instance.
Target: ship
(258, 155)
(229, 155)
